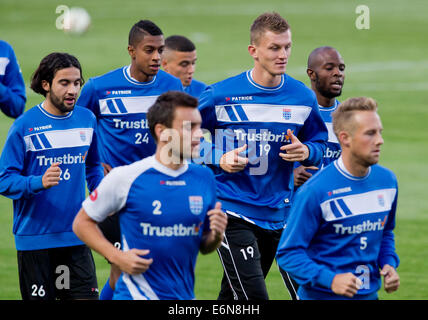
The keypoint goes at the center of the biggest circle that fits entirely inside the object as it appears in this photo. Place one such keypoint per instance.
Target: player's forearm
(387, 252)
(87, 230)
(11, 103)
(300, 266)
(16, 186)
(316, 152)
(210, 242)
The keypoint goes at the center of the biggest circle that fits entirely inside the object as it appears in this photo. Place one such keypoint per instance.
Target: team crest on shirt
(196, 204)
(286, 113)
(82, 136)
(381, 200)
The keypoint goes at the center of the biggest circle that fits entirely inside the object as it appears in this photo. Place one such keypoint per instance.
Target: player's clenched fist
(51, 176)
(211, 240)
(232, 162)
(391, 278)
(346, 284)
(131, 261)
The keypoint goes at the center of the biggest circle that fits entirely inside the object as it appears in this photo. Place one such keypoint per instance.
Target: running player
(166, 206)
(120, 100)
(261, 122)
(179, 59)
(326, 70)
(339, 238)
(49, 152)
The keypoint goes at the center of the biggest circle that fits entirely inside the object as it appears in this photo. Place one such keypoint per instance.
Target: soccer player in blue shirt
(326, 70)
(166, 206)
(120, 100)
(49, 153)
(179, 59)
(12, 86)
(261, 122)
(339, 239)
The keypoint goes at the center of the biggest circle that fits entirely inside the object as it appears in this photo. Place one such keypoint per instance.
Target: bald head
(326, 70)
(319, 55)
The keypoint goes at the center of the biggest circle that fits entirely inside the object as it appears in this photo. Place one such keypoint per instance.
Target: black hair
(179, 43)
(48, 68)
(163, 110)
(142, 28)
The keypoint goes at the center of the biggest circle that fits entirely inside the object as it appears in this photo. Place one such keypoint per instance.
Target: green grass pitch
(388, 62)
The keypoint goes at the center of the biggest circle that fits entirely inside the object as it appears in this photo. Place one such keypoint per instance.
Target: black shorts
(66, 273)
(247, 253)
(110, 227)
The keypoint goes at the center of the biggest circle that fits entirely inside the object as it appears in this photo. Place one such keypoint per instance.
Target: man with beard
(339, 239)
(49, 152)
(326, 70)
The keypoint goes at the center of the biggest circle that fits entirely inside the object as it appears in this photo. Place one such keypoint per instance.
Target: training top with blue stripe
(341, 223)
(195, 88)
(239, 111)
(164, 211)
(42, 218)
(333, 150)
(120, 104)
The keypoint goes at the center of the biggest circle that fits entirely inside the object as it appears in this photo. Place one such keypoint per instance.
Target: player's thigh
(241, 259)
(240, 240)
(267, 241)
(75, 273)
(36, 279)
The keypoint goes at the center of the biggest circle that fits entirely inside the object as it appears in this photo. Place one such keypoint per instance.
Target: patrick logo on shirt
(94, 195)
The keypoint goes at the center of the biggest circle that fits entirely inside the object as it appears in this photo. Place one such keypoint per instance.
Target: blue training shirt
(338, 224)
(195, 88)
(238, 111)
(120, 104)
(333, 150)
(42, 218)
(162, 210)
(12, 86)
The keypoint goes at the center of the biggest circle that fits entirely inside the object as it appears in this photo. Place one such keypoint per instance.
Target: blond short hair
(268, 21)
(346, 110)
